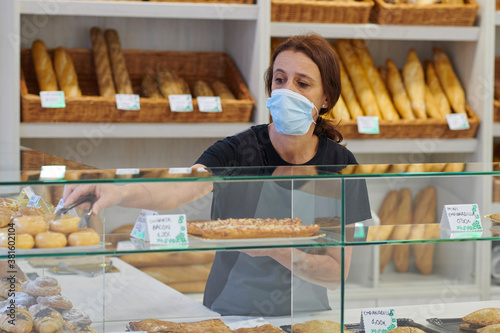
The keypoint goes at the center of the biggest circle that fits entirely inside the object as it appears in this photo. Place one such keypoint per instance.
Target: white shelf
(497, 17)
(496, 130)
(396, 146)
(130, 130)
(141, 9)
(375, 31)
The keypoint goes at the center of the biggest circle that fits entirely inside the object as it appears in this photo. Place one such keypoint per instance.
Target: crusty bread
(340, 110)
(150, 87)
(120, 73)
(432, 105)
(101, 63)
(401, 253)
(44, 69)
(398, 91)
(202, 88)
(141, 260)
(436, 89)
(348, 94)
(449, 81)
(66, 73)
(413, 78)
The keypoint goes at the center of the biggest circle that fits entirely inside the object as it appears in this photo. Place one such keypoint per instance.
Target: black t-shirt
(239, 284)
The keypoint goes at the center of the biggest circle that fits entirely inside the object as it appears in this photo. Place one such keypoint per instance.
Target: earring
(323, 106)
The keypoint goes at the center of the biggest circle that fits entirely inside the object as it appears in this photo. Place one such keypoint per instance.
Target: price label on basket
(209, 104)
(128, 102)
(457, 121)
(140, 230)
(368, 125)
(182, 171)
(180, 103)
(52, 99)
(52, 172)
(127, 171)
(168, 230)
(378, 320)
(461, 218)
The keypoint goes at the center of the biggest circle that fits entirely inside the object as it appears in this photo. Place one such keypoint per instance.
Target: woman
(303, 81)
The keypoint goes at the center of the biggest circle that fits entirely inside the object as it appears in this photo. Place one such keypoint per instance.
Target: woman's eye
(303, 84)
(278, 80)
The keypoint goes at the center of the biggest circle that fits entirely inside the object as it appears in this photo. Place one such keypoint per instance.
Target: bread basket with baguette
(92, 108)
(312, 11)
(435, 14)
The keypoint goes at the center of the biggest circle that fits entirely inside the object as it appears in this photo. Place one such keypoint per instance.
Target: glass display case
(299, 247)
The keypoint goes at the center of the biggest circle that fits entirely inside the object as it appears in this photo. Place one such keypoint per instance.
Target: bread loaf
(449, 81)
(66, 74)
(454, 167)
(348, 93)
(413, 78)
(432, 106)
(44, 69)
(202, 88)
(168, 82)
(120, 73)
(101, 63)
(398, 168)
(424, 253)
(184, 86)
(383, 99)
(380, 168)
(358, 78)
(398, 91)
(222, 90)
(415, 168)
(339, 111)
(436, 89)
(387, 214)
(404, 216)
(425, 206)
(149, 86)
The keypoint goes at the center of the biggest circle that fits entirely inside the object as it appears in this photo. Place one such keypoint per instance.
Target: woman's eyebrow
(301, 75)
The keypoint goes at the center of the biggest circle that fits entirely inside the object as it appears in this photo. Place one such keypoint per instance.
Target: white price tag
(448, 234)
(368, 125)
(140, 230)
(183, 171)
(128, 102)
(131, 171)
(461, 218)
(53, 172)
(168, 230)
(378, 320)
(180, 103)
(28, 191)
(52, 99)
(457, 121)
(209, 104)
(33, 201)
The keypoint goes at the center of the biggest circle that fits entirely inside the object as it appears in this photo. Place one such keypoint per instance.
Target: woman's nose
(290, 86)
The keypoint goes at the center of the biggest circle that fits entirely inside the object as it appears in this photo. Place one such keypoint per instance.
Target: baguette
(436, 89)
(387, 214)
(413, 78)
(432, 105)
(339, 111)
(398, 168)
(222, 90)
(401, 253)
(202, 88)
(150, 87)
(101, 62)
(348, 93)
(168, 82)
(454, 167)
(358, 78)
(66, 74)
(434, 167)
(381, 168)
(44, 69)
(377, 84)
(451, 85)
(120, 74)
(424, 253)
(398, 91)
(415, 168)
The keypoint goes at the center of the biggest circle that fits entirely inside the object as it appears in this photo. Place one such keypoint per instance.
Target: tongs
(84, 221)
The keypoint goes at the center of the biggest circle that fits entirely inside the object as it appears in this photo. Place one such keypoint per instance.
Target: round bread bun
(28, 211)
(32, 225)
(85, 237)
(9, 203)
(66, 224)
(42, 286)
(50, 239)
(55, 301)
(19, 241)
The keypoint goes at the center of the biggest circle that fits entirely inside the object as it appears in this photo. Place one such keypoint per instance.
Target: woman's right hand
(107, 195)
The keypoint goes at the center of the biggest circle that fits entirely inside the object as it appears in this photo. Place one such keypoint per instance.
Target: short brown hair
(322, 54)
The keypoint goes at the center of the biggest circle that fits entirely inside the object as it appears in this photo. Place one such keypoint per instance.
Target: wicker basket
(498, 5)
(321, 11)
(412, 129)
(411, 14)
(92, 108)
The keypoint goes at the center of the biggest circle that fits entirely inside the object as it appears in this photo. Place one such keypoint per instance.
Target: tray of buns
(90, 80)
(460, 13)
(486, 320)
(350, 11)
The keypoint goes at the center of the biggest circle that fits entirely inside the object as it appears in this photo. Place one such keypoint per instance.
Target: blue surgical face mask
(291, 112)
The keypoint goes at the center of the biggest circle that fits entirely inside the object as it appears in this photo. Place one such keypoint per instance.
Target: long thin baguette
(101, 62)
(377, 84)
(388, 215)
(120, 73)
(436, 89)
(44, 69)
(398, 91)
(404, 216)
(432, 106)
(66, 73)
(413, 77)
(358, 77)
(339, 111)
(348, 93)
(449, 80)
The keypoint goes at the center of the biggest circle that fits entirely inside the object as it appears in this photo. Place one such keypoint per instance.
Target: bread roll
(184, 86)
(44, 70)
(202, 88)
(431, 105)
(377, 84)
(449, 81)
(398, 91)
(358, 77)
(222, 90)
(120, 74)
(149, 86)
(413, 78)
(66, 74)
(348, 94)
(101, 63)
(436, 89)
